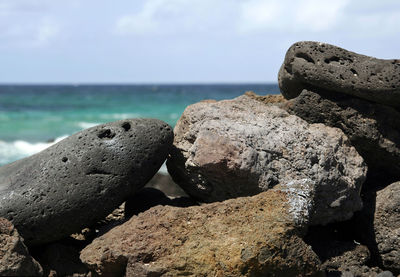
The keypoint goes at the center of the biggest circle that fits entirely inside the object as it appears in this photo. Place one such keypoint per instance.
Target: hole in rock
(106, 134)
(305, 56)
(126, 126)
(64, 159)
(354, 71)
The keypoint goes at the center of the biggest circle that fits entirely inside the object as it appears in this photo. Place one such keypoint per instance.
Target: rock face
(387, 226)
(14, 257)
(373, 129)
(319, 65)
(241, 147)
(81, 179)
(252, 236)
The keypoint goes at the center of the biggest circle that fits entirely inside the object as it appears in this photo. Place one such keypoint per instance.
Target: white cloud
(176, 16)
(290, 16)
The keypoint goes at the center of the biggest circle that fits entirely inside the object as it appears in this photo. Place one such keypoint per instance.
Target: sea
(33, 117)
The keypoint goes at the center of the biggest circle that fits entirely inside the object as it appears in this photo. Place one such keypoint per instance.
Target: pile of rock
(297, 187)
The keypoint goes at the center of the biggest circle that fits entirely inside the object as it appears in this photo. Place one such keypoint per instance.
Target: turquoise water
(33, 117)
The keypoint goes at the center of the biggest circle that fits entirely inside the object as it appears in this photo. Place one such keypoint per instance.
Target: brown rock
(241, 147)
(373, 129)
(266, 99)
(15, 259)
(387, 226)
(252, 236)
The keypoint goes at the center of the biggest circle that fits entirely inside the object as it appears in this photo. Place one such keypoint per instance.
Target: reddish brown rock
(15, 259)
(252, 236)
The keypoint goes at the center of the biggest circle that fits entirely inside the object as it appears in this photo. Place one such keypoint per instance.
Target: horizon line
(131, 84)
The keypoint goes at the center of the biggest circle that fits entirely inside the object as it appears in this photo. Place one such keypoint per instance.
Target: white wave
(85, 125)
(15, 150)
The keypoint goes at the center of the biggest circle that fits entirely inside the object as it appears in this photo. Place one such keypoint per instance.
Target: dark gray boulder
(310, 64)
(81, 179)
(373, 129)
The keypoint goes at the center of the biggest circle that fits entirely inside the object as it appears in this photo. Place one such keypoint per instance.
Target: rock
(81, 179)
(387, 226)
(252, 236)
(385, 274)
(241, 147)
(62, 258)
(149, 197)
(15, 259)
(311, 64)
(269, 99)
(372, 128)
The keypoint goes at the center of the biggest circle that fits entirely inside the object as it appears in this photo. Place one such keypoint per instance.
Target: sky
(181, 41)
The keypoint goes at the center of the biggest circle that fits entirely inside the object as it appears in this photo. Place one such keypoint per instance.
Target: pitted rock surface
(373, 128)
(249, 236)
(387, 226)
(15, 259)
(81, 179)
(242, 147)
(311, 64)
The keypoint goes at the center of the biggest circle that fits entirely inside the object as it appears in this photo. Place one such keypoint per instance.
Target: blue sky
(180, 41)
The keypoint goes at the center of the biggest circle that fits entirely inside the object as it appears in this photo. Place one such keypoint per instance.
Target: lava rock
(372, 128)
(242, 147)
(252, 236)
(15, 259)
(81, 179)
(311, 64)
(387, 226)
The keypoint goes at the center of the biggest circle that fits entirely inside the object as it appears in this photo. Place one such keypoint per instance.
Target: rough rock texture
(14, 257)
(252, 236)
(314, 64)
(387, 226)
(372, 128)
(241, 147)
(267, 99)
(81, 179)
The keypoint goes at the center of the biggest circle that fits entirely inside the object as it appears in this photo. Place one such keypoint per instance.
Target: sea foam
(15, 150)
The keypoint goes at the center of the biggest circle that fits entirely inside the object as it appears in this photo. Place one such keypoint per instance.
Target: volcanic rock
(373, 129)
(15, 259)
(311, 64)
(387, 226)
(242, 147)
(81, 179)
(249, 236)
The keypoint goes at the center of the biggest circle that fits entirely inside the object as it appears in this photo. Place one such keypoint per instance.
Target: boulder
(15, 259)
(249, 236)
(242, 147)
(81, 179)
(373, 128)
(387, 226)
(316, 65)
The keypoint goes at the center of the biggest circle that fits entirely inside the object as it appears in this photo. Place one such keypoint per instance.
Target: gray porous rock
(81, 179)
(387, 226)
(241, 147)
(310, 64)
(15, 259)
(372, 128)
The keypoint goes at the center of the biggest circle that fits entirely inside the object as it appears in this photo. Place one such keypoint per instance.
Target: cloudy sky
(180, 41)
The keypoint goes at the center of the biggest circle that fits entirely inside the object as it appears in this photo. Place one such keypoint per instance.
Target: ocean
(32, 117)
